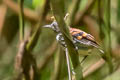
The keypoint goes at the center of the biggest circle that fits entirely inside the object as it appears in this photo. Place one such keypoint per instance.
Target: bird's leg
(60, 39)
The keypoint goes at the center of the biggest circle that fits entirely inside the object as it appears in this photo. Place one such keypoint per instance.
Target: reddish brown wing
(84, 38)
(81, 34)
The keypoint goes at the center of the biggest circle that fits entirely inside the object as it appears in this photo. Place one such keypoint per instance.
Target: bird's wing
(81, 33)
(83, 37)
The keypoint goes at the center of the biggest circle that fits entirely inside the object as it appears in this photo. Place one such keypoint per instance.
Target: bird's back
(82, 39)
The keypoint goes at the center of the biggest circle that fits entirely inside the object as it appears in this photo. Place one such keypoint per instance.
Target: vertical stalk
(100, 18)
(108, 36)
(57, 8)
(68, 64)
(21, 19)
(34, 38)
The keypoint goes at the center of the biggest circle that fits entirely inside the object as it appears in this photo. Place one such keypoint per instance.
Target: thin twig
(19, 56)
(18, 60)
(22, 49)
(21, 19)
(68, 64)
(35, 35)
(100, 18)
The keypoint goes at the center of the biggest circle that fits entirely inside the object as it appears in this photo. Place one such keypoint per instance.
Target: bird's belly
(81, 46)
(84, 52)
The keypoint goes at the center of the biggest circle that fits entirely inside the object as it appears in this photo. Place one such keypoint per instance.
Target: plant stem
(107, 32)
(57, 7)
(68, 64)
(35, 35)
(21, 19)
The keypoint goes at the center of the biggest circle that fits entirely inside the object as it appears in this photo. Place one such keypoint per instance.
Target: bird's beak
(47, 26)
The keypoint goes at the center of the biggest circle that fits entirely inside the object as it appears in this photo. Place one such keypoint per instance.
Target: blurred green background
(92, 16)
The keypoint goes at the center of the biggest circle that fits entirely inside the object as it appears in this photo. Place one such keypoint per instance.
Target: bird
(81, 39)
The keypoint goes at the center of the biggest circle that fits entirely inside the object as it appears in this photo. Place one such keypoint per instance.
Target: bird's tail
(101, 51)
(96, 45)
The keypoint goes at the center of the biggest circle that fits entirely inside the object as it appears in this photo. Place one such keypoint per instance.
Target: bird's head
(53, 26)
